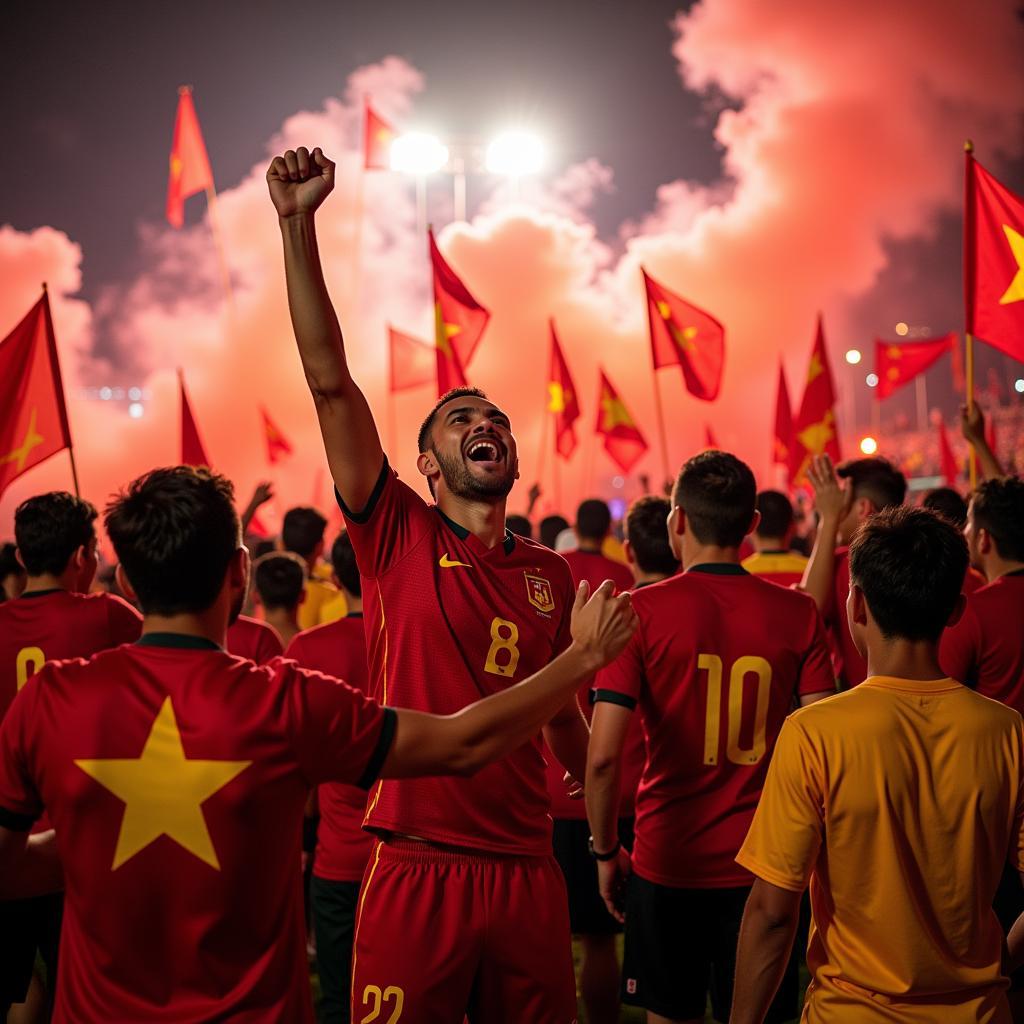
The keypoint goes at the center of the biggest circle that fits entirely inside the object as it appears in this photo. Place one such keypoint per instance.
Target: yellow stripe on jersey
(359, 916)
(787, 561)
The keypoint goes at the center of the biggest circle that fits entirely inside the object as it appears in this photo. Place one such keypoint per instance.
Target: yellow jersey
(900, 802)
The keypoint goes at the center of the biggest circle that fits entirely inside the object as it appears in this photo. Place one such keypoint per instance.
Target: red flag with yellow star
(34, 423)
(897, 362)
(278, 445)
(190, 166)
(412, 362)
(783, 442)
(814, 429)
(459, 322)
(192, 451)
(562, 401)
(622, 438)
(377, 138)
(685, 336)
(994, 261)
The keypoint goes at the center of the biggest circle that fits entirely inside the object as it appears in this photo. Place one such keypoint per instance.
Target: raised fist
(299, 181)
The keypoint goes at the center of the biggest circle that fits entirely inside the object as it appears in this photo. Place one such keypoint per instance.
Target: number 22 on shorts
(375, 998)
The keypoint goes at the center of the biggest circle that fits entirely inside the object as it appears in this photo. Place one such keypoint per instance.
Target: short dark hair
(279, 578)
(9, 564)
(647, 533)
(776, 514)
(343, 561)
(875, 478)
(949, 504)
(519, 525)
(549, 528)
(423, 439)
(593, 519)
(910, 565)
(175, 531)
(50, 528)
(718, 493)
(302, 529)
(998, 506)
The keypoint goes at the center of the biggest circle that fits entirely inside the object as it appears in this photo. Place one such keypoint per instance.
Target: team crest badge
(538, 590)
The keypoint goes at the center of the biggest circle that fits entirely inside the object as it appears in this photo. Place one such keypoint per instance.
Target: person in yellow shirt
(302, 532)
(772, 558)
(899, 802)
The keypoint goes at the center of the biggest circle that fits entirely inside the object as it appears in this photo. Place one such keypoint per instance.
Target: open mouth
(484, 450)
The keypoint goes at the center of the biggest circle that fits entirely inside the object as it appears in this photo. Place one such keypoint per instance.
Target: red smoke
(848, 132)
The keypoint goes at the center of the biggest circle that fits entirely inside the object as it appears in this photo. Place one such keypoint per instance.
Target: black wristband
(610, 855)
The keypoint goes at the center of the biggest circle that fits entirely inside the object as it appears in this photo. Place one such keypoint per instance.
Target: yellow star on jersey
(1015, 293)
(19, 456)
(443, 332)
(163, 791)
(615, 413)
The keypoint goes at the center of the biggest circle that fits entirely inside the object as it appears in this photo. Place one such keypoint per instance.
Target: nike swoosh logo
(448, 563)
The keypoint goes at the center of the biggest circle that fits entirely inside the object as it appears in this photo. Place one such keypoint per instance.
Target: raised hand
(972, 423)
(831, 498)
(299, 181)
(601, 626)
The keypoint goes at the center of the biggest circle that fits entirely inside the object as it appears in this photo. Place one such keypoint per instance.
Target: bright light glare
(515, 154)
(868, 445)
(871, 380)
(418, 153)
(1018, 386)
(135, 410)
(135, 394)
(106, 394)
(902, 329)
(853, 356)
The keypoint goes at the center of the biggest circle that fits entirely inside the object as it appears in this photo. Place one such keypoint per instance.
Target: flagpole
(58, 387)
(659, 410)
(969, 296)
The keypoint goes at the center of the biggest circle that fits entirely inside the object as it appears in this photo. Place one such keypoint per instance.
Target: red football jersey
(176, 775)
(985, 649)
(974, 580)
(342, 846)
(595, 568)
(250, 638)
(49, 625)
(448, 622)
(851, 667)
(714, 667)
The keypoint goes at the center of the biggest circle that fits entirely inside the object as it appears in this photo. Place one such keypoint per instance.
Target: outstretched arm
(972, 426)
(299, 181)
(463, 743)
(832, 502)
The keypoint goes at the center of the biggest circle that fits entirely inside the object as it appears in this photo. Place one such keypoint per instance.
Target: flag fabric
(950, 469)
(783, 442)
(622, 438)
(34, 423)
(959, 380)
(898, 362)
(190, 166)
(710, 441)
(278, 445)
(563, 403)
(814, 430)
(459, 322)
(192, 451)
(685, 336)
(377, 138)
(993, 261)
(412, 362)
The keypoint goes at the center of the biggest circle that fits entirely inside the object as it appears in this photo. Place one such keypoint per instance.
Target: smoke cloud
(840, 129)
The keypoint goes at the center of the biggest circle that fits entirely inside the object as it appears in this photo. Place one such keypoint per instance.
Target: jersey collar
(719, 569)
(41, 593)
(463, 534)
(181, 641)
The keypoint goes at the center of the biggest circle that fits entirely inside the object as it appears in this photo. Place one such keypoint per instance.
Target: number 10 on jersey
(741, 668)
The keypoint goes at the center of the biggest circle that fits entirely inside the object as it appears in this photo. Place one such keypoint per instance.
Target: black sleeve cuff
(364, 514)
(612, 697)
(380, 752)
(16, 822)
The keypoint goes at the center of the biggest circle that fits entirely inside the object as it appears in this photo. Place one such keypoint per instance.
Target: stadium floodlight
(868, 445)
(135, 410)
(1018, 385)
(418, 153)
(871, 380)
(902, 329)
(853, 356)
(515, 154)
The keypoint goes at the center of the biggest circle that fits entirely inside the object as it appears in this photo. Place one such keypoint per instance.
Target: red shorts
(443, 935)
